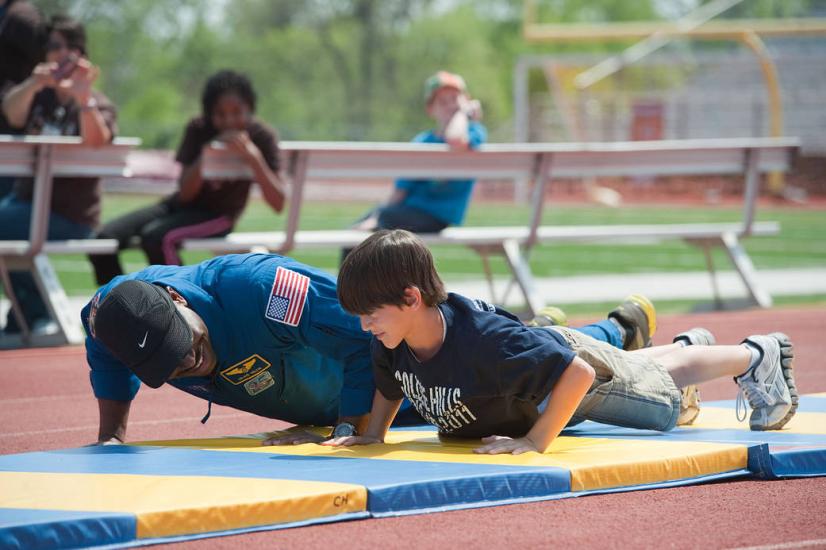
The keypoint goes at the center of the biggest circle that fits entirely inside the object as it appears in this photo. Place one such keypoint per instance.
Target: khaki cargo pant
(630, 389)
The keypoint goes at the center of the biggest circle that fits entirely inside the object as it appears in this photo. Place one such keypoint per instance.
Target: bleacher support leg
(744, 266)
(56, 301)
(483, 253)
(17, 311)
(522, 274)
(715, 287)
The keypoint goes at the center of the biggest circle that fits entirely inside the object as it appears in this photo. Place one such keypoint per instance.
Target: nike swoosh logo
(142, 344)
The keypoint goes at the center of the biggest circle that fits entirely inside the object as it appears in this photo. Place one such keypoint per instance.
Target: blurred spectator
(428, 206)
(22, 35)
(56, 99)
(21, 48)
(202, 208)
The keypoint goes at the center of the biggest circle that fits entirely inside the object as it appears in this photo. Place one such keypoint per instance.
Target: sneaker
(548, 317)
(638, 319)
(697, 336)
(690, 403)
(769, 386)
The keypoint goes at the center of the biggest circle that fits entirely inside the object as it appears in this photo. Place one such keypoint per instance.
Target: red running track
(46, 403)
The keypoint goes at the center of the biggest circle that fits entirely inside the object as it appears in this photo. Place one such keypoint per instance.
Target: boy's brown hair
(377, 272)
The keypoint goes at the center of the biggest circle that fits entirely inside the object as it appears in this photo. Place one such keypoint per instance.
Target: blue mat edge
(350, 516)
(742, 472)
(86, 529)
(779, 464)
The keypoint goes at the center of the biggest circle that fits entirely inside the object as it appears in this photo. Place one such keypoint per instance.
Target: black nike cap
(139, 323)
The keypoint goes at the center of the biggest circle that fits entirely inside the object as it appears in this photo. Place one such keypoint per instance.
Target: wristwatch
(344, 429)
(90, 104)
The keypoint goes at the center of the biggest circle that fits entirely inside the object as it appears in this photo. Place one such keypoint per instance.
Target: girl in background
(202, 208)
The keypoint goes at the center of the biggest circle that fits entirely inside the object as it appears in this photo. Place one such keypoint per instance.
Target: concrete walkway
(657, 286)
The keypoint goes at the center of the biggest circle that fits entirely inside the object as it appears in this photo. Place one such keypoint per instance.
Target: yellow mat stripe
(725, 419)
(177, 505)
(594, 463)
(627, 469)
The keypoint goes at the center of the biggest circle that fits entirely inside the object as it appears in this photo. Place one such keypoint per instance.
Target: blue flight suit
(309, 373)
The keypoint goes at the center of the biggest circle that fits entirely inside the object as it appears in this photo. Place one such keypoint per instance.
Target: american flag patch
(289, 291)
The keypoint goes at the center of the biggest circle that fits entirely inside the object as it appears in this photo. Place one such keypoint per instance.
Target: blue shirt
(305, 374)
(446, 200)
(488, 378)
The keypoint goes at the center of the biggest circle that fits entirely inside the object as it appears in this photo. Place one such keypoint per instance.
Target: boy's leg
(690, 404)
(762, 366)
(697, 364)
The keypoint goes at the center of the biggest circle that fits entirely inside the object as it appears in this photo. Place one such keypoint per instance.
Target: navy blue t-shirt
(487, 378)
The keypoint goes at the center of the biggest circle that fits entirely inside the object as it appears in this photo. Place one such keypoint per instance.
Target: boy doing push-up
(473, 370)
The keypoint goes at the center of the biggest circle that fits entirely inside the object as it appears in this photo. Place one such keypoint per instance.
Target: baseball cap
(443, 79)
(139, 323)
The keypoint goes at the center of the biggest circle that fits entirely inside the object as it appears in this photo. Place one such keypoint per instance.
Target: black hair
(224, 82)
(71, 30)
(378, 271)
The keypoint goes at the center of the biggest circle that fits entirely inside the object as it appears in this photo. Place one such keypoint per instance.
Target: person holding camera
(57, 99)
(428, 206)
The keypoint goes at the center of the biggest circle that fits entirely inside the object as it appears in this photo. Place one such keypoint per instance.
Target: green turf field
(801, 243)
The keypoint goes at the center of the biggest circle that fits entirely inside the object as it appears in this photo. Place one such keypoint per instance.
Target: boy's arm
(456, 131)
(566, 396)
(381, 416)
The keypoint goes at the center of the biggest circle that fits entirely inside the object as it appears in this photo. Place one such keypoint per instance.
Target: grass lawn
(801, 243)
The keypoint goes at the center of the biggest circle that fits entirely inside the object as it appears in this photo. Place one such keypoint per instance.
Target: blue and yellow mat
(185, 489)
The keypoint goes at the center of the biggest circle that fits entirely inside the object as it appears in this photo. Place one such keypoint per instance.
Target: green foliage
(332, 69)
(323, 69)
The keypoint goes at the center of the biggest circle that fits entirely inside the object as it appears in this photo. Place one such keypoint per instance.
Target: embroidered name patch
(259, 383)
(287, 297)
(244, 370)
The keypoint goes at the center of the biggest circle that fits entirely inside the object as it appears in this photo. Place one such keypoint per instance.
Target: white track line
(136, 423)
(783, 545)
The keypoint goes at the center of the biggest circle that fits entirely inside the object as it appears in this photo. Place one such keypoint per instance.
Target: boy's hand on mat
(293, 438)
(499, 444)
(350, 440)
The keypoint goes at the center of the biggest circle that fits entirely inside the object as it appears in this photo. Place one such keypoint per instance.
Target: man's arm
(114, 415)
(381, 417)
(94, 130)
(566, 396)
(18, 101)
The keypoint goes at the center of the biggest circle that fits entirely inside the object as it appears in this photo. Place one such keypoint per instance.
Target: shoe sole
(787, 367)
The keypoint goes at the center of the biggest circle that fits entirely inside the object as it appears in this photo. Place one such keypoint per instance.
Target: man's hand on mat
(350, 440)
(499, 444)
(293, 438)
